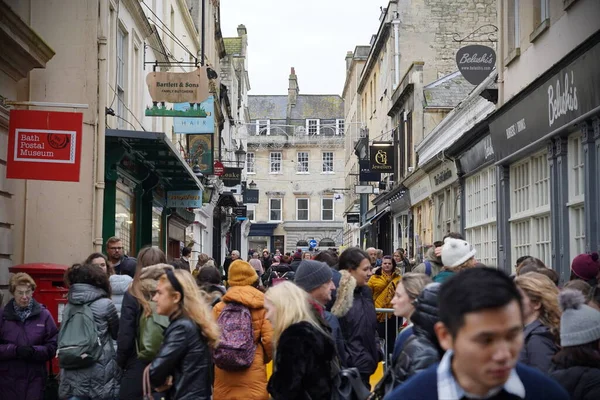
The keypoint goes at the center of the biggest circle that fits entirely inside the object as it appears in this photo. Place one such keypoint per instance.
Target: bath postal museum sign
(177, 87)
(44, 145)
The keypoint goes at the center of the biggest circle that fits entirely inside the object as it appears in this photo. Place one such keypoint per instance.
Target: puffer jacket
(583, 383)
(250, 383)
(101, 380)
(421, 349)
(355, 311)
(24, 379)
(383, 289)
(436, 263)
(118, 287)
(539, 347)
(185, 356)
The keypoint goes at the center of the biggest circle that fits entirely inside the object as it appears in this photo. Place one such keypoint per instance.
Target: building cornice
(189, 22)
(137, 13)
(382, 36)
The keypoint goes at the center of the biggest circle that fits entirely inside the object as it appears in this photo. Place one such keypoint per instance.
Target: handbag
(147, 388)
(51, 385)
(347, 384)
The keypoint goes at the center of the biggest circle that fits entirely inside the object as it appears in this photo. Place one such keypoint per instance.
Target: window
(480, 218)
(121, 76)
(327, 209)
(275, 162)
(157, 227)
(576, 195)
(263, 126)
(312, 126)
(530, 208)
(513, 25)
(274, 209)
(251, 214)
(541, 12)
(302, 162)
(302, 212)
(251, 162)
(124, 216)
(339, 126)
(328, 162)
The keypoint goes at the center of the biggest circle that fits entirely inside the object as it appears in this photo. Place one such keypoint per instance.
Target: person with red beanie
(586, 267)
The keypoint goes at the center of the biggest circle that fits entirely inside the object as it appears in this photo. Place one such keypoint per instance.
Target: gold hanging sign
(176, 87)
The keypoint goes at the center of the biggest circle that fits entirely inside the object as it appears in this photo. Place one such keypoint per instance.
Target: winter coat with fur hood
(355, 311)
(250, 383)
(118, 287)
(436, 263)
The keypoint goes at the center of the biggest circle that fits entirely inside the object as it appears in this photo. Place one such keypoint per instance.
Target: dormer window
(263, 127)
(339, 126)
(313, 126)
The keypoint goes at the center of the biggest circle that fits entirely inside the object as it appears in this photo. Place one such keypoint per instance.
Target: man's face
(372, 255)
(322, 294)
(115, 251)
(235, 256)
(486, 347)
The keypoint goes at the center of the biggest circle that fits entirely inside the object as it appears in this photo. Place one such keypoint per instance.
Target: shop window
(251, 162)
(302, 210)
(275, 210)
(327, 209)
(275, 162)
(577, 230)
(576, 195)
(124, 218)
(480, 218)
(157, 227)
(302, 162)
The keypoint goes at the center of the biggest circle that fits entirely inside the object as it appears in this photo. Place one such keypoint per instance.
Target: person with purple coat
(28, 336)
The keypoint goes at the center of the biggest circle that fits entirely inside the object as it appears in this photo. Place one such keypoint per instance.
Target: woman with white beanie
(578, 362)
(457, 254)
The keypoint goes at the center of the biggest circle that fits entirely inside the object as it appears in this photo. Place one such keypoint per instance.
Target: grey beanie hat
(312, 274)
(579, 323)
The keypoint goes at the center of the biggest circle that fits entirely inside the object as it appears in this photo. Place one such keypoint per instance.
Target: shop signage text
(420, 191)
(44, 145)
(219, 169)
(560, 104)
(241, 212)
(184, 199)
(442, 176)
(352, 218)
(475, 62)
(203, 123)
(232, 176)
(177, 87)
(251, 196)
(479, 154)
(365, 173)
(382, 158)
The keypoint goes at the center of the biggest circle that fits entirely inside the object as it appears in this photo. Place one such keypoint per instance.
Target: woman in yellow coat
(383, 285)
(250, 383)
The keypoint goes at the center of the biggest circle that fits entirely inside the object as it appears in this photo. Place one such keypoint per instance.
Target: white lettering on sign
(476, 58)
(561, 103)
(515, 128)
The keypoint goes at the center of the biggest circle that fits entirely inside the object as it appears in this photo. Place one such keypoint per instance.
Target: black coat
(302, 366)
(539, 347)
(126, 266)
(582, 383)
(133, 368)
(185, 356)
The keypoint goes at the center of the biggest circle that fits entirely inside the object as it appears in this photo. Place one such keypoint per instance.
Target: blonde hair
(414, 283)
(146, 257)
(540, 289)
(291, 306)
(18, 279)
(194, 306)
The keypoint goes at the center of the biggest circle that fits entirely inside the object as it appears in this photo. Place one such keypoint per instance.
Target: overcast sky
(311, 35)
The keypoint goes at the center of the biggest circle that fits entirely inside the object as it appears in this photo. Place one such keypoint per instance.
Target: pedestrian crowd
(142, 328)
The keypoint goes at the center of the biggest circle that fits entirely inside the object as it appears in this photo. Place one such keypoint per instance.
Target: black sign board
(475, 62)
(382, 158)
(352, 218)
(240, 211)
(366, 175)
(480, 154)
(554, 104)
(251, 196)
(232, 176)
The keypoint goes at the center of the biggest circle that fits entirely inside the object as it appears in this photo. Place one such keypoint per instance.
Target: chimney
(241, 30)
(293, 88)
(349, 57)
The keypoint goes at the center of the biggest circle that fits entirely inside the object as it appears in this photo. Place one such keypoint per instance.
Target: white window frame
(323, 209)
(273, 161)
(251, 213)
(315, 125)
(325, 170)
(575, 204)
(121, 76)
(271, 208)
(340, 126)
(307, 209)
(515, 29)
(265, 124)
(302, 162)
(251, 163)
(544, 10)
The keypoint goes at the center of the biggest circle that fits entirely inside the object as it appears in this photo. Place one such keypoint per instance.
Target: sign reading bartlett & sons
(475, 62)
(177, 87)
(232, 176)
(553, 104)
(382, 158)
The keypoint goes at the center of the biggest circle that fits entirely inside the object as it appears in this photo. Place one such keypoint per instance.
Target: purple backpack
(236, 347)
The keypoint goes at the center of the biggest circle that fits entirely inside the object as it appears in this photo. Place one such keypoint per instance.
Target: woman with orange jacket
(249, 383)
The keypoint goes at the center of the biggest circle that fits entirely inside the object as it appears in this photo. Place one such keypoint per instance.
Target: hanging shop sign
(200, 152)
(382, 158)
(480, 154)
(551, 107)
(232, 176)
(443, 176)
(184, 199)
(241, 212)
(44, 145)
(475, 62)
(251, 196)
(420, 190)
(219, 168)
(365, 173)
(352, 218)
(203, 123)
(177, 87)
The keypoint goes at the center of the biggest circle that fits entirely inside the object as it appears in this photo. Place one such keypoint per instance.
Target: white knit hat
(456, 251)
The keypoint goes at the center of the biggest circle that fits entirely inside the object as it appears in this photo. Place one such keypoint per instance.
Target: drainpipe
(396, 23)
(500, 52)
(99, 145)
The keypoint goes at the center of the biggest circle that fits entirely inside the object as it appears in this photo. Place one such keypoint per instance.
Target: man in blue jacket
(481, 329)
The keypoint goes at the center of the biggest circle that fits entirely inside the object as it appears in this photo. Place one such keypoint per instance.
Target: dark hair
(521, 259)
(208, 276)
(146, 257)
(580, 285)
(530, 264)
(328, 257)
(453, 235)
(90, 274)
(473, 290)
(186, 251)
(583, 355)
(351, 258)
(550, 273)
(594, 296)
(178, 264)
(109, 268)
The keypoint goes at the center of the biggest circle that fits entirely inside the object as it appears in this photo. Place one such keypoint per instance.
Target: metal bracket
(489, 29)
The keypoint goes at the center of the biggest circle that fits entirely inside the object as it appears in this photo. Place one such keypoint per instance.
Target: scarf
(23, 313)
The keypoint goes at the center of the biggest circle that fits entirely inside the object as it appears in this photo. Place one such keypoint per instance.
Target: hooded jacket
(383, 291)
(539, 347)
(118, 287)
(583, 383)
(436, 263)
(24, 379)
(126, 266)
(355, 311)
(422, 349)
(250, 383)
(101, 380)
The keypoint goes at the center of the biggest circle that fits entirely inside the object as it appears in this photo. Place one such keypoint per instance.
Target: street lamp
(240, 156)
(252, 185)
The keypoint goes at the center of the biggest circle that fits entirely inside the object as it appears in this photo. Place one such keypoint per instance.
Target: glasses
(115, 248)
(20, 293)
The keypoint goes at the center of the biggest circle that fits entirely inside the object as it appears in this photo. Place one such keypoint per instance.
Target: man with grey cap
(316, 278)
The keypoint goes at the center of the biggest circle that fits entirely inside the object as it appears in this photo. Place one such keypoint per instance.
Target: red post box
(50, 290)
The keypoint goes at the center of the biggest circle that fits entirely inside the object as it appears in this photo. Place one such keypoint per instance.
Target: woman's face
(387, 266)
(530, 313)
(397, 257)
(23, 294)
(306, 256)
(401, 303)
(362, 273)
(166, 301)
(270, 314)
(99, 262)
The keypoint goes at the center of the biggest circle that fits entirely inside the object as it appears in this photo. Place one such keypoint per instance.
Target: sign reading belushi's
(553, 105)
(475, 62)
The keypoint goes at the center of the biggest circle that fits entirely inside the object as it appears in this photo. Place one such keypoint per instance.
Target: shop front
(419, 187)
(445, 194)
(261, 237)
(547, 140)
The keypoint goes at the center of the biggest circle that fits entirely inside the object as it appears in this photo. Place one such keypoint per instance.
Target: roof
(447, 91)
(321, 106)
(233, 45)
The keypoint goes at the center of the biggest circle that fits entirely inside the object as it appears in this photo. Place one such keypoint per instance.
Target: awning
(155, 151)
(376, 217)
(262, 229)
